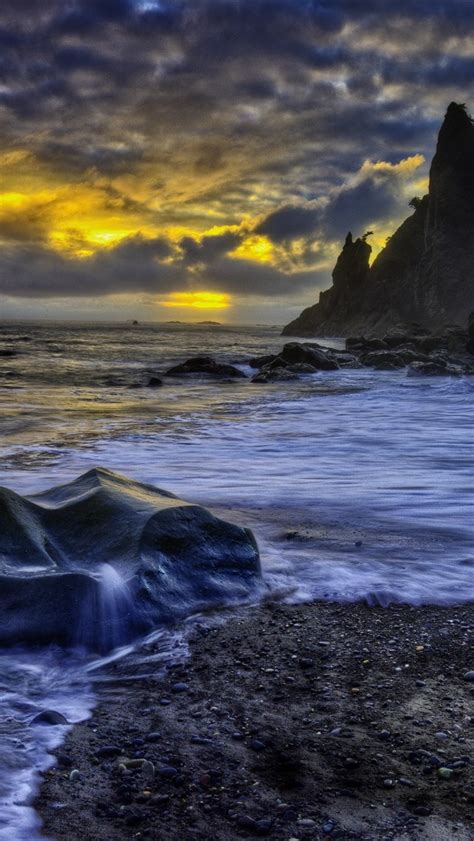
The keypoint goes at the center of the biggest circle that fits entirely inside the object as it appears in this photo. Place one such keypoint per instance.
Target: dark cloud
(209, 248)
(247, 278)
(290, 223)
(232, 110)
(375, 196)
(139, 266)
(366, 203)
(134, 266)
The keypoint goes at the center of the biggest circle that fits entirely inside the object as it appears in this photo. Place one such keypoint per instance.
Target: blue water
(373, 468)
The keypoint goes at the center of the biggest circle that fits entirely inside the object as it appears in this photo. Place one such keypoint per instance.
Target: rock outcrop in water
(425, 273)
(103, 558)
(447, 352)
(207, 366)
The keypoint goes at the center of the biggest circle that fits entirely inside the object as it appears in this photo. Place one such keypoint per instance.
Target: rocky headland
(425, 273)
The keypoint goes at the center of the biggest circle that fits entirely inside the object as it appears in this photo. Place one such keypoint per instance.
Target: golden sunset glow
(258, 248)
(197, 300)
(406, 166)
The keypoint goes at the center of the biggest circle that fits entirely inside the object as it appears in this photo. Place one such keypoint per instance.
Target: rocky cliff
(425, 273)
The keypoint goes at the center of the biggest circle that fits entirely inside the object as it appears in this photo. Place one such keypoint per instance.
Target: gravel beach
(310, 721)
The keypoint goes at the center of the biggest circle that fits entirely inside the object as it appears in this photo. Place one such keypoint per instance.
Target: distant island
(191, 323)
(425, 273)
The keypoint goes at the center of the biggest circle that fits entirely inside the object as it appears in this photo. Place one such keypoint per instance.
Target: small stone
(469, 676)
(422, 811)
(133, 764)
(264, 826)
(306, 822)
(445, 773)
(165, 702)
(180, 687)
(406, 782)
(168, 772)
(441, 736)
(246, 822)
(75, 776)
(107, 751)
(256, 745)
(153, 737)
(388, 783)
(328, 827)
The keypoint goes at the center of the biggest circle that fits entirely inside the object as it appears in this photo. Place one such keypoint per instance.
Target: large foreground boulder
(102, 559)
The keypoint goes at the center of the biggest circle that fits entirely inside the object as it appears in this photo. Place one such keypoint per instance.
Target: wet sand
(301, 722)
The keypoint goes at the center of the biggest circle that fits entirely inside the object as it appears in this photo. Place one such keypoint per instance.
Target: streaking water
(105, 619)
(339, 458)
(32, 681)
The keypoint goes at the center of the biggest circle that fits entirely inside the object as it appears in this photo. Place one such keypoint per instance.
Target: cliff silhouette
(425, 273)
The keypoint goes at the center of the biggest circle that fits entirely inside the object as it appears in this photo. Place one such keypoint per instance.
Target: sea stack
(425, 273)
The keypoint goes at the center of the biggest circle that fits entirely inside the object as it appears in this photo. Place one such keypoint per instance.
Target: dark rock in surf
(309, 354)
(50, 718)
(282, 373)
(205, 365)
(435, 369)
(261, 361)
(103, 558)
(276, 375)
(383, 360)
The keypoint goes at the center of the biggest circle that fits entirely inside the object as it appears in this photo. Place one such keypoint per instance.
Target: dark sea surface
(366, 456)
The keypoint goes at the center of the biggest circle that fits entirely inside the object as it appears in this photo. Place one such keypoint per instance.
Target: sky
(196, 159)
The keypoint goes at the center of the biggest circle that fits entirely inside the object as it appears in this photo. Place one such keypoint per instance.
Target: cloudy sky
(200, 159)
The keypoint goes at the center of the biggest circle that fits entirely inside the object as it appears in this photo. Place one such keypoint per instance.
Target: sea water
(376, 466)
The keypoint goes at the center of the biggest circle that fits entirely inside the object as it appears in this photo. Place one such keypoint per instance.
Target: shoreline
(318, 720)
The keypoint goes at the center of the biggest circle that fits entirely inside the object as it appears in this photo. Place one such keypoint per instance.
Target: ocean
(357, 483)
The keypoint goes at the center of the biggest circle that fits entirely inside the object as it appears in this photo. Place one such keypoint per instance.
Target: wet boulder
(383, 360)
(260, 361)
(311, 354)
(435, 368)
(410, 354)
(207, 366)
(274, 372)
(103, 558)
(368, 345)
